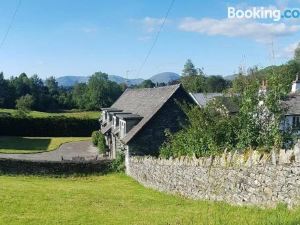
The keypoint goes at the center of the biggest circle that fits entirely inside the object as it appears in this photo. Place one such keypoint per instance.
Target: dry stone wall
(241, 179)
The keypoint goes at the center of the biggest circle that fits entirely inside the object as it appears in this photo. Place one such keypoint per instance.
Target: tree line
(32, 93)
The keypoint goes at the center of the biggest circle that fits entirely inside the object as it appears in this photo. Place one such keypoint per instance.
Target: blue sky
(65, 37)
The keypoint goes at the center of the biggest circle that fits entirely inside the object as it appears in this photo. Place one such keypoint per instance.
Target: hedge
(13, 166)
(47, 127)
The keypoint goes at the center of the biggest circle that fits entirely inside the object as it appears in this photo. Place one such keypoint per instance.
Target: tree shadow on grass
(24, 143)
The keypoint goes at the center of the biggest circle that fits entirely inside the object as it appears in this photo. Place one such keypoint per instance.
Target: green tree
(209, 132)
(216, 84)
(189, 69)
(7, 93)
(79, 95)
(194, 83)
(21, 85)
(52, 85)
(39, 92)
(147, 84)
(24, 103)
(101, 92)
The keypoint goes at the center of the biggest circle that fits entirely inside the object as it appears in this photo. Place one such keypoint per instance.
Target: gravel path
(66, 151)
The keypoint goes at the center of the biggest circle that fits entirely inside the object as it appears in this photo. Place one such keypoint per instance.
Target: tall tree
(7, 93)
(21, 85)
(79, 95)
(52, 85)
(189, 69)
(101, 92)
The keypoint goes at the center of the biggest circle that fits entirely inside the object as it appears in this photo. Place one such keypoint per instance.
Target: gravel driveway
(66, 151)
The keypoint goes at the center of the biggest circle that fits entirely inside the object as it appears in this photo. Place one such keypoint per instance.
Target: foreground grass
(34, 144)
(117, 199)
(37, 114)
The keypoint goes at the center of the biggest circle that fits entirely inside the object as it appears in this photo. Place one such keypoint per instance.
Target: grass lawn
(34, 144)
(117, 199)
(66, 113)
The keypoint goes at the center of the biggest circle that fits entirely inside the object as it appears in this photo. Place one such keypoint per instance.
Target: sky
(76, 37)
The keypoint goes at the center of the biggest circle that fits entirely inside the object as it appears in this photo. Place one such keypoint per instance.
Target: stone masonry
(240, 179)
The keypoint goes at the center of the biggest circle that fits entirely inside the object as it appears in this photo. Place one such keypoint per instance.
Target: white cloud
(151, 24)
(262, 32)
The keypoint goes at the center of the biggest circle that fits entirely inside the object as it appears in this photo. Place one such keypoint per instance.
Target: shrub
(118, 164)
(95, 137)
(208, 133)
(24, 103)
(101, 143)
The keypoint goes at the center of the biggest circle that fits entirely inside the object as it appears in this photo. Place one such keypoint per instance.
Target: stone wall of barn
(251, 179)
(171, 116)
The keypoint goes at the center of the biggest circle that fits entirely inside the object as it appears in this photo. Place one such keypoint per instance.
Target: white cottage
(292, 107)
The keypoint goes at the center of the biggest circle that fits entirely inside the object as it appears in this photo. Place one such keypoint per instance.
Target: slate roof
(292, 104)
(129, 116)
(106, 128)
(111, 109)
(143, 102)
(228, 103)
(203, 98)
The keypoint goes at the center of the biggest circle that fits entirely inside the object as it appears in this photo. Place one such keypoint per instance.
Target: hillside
(230, 77)
(120, 80)
(164, 77)
(68, 81)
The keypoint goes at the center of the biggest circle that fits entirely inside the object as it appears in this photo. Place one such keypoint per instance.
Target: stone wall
(251, 179)
(171, 116)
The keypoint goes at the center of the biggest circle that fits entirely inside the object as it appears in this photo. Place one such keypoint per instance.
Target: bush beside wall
(47, 127)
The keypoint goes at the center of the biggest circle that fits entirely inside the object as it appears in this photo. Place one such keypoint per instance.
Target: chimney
(296, 84)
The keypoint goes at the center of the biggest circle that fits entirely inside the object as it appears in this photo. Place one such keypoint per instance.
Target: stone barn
(137, 121)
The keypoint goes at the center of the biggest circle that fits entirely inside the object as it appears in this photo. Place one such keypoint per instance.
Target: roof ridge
(154, 88)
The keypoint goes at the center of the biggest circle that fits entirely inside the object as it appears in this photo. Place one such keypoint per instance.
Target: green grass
(117, 199)
(34, 144)
(66, 113)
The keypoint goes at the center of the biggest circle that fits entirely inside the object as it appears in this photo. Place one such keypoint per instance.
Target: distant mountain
(164, 77)
(68, 81)
(230, 77)
(119, 80)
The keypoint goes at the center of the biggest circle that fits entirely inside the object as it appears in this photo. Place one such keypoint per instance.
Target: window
(104, 116)
(122, 128)
(115, 122)
(296, 121)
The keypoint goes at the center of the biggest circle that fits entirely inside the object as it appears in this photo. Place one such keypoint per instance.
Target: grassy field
(34, 144)
(36, 114)
(117, 199)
